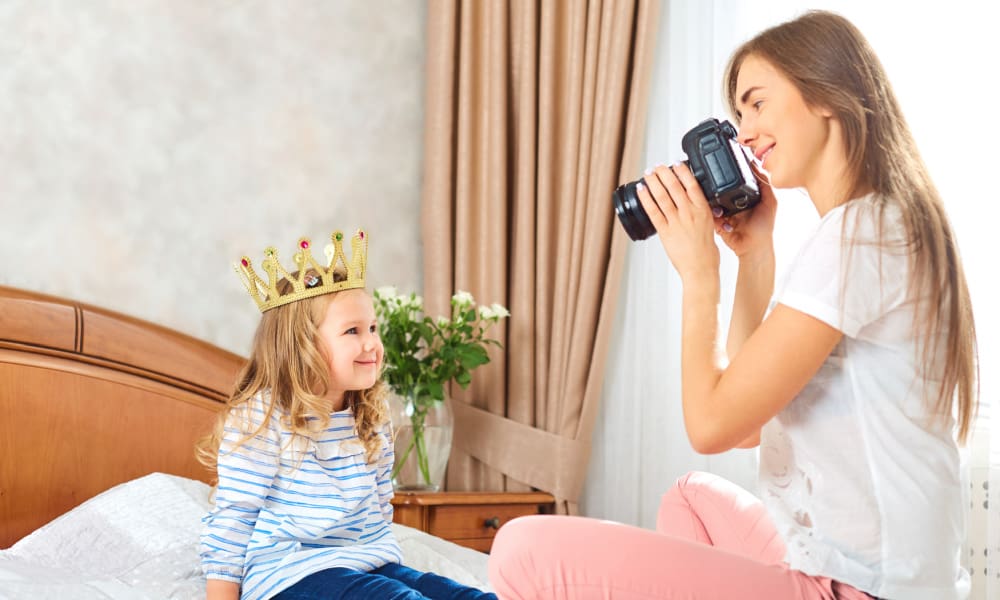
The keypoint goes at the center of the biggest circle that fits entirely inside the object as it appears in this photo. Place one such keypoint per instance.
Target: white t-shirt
(861, 481)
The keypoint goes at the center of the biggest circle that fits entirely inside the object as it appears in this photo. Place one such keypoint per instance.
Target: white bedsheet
(139, 540)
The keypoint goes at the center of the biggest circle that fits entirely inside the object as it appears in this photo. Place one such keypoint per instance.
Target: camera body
(721, 167)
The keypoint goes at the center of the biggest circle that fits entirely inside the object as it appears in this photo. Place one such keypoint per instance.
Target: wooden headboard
(90, 399)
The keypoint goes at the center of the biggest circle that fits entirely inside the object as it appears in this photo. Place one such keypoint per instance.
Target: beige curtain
(535, 112)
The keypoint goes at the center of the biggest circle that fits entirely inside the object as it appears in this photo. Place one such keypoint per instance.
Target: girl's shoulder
(257, 411)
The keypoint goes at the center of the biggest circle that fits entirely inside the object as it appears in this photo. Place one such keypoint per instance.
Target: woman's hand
(677, 208)
(750, 233)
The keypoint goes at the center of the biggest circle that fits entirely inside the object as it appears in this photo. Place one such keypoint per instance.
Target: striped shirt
(287, 507)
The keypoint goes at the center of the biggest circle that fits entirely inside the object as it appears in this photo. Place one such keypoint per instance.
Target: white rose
(463, 298)
(499, 311)
(387, 292)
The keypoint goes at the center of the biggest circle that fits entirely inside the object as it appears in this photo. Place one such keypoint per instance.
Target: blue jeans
(391, 582)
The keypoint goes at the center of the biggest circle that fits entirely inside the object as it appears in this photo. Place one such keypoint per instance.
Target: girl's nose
(367, 342)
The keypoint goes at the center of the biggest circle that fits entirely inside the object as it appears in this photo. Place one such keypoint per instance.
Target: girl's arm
(246, 471)
(216, 589)
(384, 474)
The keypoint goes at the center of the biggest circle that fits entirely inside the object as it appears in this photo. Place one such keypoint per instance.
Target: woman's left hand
(679, 211)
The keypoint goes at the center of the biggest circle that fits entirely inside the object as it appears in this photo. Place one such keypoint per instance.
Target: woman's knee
(517, 537)
(514, 553)
(686, 486)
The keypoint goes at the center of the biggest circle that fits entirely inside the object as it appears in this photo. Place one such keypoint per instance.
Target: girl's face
(349, 334)
(788, 136)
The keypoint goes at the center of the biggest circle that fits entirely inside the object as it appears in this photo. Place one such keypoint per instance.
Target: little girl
(303, 451)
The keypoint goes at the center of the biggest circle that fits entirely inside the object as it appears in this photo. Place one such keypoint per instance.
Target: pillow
(140, 540)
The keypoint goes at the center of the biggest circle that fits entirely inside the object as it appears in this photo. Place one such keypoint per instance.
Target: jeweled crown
(311, 279)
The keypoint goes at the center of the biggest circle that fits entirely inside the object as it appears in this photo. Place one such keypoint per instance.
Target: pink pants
(712, 540)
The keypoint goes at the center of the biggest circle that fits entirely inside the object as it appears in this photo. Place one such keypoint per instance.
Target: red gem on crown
(304, 244)
(361, 234)
(245, 262)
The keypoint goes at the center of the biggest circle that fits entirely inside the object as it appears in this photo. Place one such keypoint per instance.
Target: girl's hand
(678, 210)
(751, 232)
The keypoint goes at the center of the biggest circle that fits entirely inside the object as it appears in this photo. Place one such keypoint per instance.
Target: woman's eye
(757, 104)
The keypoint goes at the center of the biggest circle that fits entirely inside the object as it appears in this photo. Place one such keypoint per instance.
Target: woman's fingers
(692, 189)
(661, 196)
(674, 190)
(656, 216)
(723, 225)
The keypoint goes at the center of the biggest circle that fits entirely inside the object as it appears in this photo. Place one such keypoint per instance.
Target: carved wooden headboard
(90, 399)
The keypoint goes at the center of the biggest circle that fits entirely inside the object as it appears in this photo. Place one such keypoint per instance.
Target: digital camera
(718, 162)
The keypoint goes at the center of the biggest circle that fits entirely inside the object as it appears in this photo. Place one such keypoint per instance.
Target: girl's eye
(373, 329)
(352, 330)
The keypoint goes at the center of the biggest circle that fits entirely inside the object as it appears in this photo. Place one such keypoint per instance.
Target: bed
(100, 492)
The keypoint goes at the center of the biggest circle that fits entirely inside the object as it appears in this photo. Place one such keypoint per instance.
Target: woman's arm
(754, 286)
(724, 408)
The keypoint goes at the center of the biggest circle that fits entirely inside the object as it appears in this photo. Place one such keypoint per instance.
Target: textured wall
(144, 146)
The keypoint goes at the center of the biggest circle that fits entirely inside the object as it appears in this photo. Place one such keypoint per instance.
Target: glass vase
(423, 432)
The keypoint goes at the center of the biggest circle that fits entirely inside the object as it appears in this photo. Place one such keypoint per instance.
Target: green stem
(402, 460)
(418, 443)
(421, 443)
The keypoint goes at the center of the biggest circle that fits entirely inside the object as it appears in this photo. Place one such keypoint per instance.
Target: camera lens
(631, 214)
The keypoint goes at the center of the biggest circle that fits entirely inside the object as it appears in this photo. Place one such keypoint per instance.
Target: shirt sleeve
(246, 471)
(384, 474)
(846, 275)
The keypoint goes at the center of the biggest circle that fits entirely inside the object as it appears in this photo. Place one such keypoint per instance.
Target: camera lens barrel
(630, 212)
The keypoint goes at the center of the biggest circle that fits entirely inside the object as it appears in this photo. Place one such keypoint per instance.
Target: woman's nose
(746, 133)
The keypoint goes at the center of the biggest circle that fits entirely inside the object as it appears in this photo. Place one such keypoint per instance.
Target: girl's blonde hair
(831, 63)
(288, 368)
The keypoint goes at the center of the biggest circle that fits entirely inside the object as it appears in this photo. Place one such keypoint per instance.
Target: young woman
(855, 381)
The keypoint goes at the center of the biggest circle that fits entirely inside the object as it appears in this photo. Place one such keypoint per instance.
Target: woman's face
(786, 135)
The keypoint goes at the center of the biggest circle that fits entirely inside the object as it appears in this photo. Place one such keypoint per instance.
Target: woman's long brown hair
(831, 63)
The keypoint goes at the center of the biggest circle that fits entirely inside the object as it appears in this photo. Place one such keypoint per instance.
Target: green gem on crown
(339, 236)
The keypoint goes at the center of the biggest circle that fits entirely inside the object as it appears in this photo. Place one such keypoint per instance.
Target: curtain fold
(535, 111)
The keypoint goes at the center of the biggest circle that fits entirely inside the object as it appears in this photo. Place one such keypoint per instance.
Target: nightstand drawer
(470, 519)
(474, 521)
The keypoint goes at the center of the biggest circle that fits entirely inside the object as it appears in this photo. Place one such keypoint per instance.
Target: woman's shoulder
(870, 219)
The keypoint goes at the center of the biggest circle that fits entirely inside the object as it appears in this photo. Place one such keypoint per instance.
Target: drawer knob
(493, 523)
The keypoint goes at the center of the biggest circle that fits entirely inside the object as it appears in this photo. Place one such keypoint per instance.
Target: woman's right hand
(750, 232)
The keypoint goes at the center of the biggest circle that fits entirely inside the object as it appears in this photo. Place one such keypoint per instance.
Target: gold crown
(311, 279)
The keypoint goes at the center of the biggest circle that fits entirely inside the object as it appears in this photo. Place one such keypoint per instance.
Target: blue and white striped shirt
(287, 507)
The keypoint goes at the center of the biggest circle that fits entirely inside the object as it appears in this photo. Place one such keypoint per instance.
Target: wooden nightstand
(470, 519)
